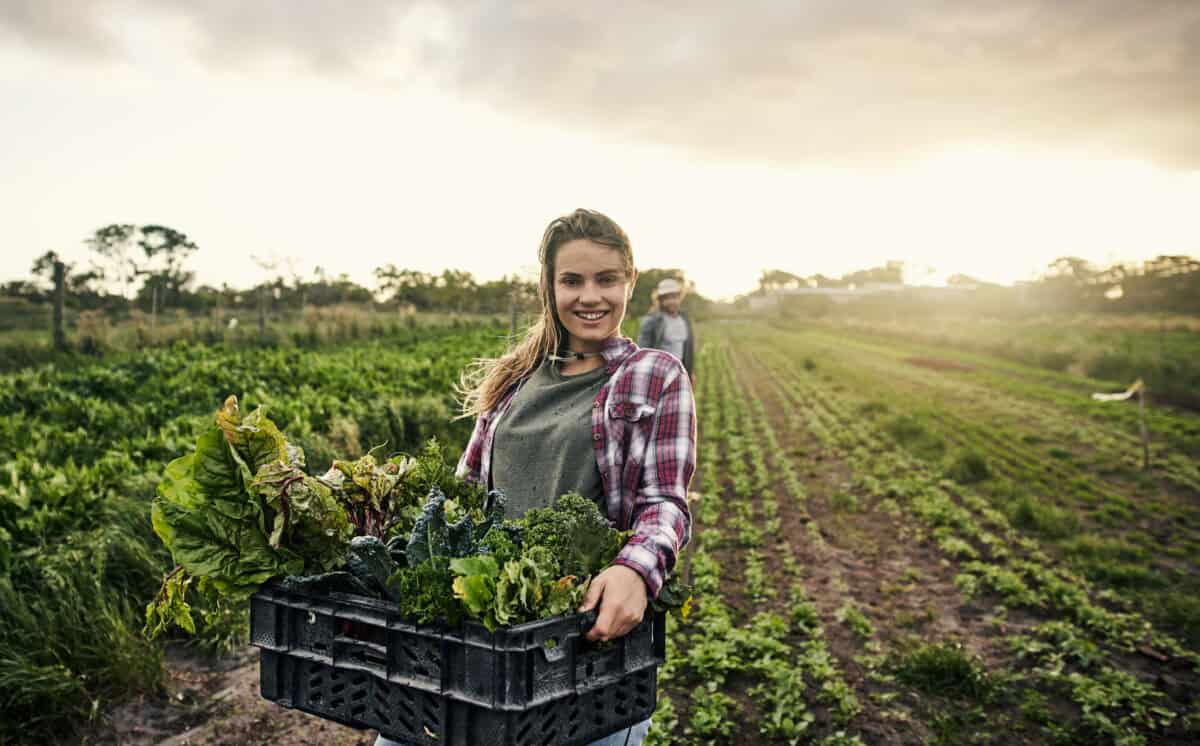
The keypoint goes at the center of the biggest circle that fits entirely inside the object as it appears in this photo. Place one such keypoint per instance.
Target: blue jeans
(629, 737)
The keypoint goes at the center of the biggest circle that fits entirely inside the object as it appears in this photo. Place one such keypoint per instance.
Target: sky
(984, 138)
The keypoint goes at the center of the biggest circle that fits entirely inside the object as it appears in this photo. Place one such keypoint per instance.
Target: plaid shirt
(644, 431)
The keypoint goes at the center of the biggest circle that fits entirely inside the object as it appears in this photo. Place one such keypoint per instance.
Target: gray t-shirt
(543, 443)
(674, 334)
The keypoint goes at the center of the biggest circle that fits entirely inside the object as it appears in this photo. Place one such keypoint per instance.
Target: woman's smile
(591, 317)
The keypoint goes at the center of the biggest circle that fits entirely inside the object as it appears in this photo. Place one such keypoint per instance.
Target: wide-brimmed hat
(668, 286)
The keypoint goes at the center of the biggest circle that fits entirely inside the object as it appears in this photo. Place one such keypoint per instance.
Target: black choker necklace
(571, 355)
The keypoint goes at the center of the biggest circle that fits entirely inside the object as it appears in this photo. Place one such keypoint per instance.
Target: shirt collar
(615, 350)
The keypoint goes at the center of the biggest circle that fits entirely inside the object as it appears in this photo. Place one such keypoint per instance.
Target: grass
(912, 433)
(844, 502)
(969, 467)
(1045, 518)
(70, 644)
(944, 669)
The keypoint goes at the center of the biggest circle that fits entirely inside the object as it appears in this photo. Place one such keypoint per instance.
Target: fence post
(512, 316)
(262, 312)
(1142, 425)
(154, 305)
(60, 295)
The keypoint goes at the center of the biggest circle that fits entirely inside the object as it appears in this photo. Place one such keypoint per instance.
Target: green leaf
(480, 565)
(255, 438)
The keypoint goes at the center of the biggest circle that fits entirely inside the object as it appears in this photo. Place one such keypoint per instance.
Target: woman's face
(591, 290)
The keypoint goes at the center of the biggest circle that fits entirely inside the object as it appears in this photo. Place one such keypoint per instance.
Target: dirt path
(217, 704)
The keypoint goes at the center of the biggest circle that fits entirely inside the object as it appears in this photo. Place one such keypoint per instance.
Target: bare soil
(217, 704)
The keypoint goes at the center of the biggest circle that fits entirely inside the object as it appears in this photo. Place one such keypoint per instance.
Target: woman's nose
(590, 293)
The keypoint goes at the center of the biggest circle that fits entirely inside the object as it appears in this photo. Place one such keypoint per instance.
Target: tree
(777, 279)
(115, 259)
(405, 287)
(125, 253)
(79, 286)
(165, 250)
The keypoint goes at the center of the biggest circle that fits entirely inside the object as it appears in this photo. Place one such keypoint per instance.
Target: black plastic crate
(412, 716)
(354, 660)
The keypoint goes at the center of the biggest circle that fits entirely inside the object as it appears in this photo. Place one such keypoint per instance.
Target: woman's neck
(577, 367)
(588, 347)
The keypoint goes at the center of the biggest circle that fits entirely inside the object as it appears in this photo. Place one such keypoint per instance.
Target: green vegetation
(81, 451)
(893, 533)
(928, 510)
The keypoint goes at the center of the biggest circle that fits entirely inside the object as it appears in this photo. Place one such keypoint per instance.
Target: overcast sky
(727, 138)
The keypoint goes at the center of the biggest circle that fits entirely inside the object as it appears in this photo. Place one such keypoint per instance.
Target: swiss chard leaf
(255, 438)
(213, 528)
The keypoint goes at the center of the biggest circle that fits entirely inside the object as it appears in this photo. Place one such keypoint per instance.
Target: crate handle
(360, 654)
(558, 646)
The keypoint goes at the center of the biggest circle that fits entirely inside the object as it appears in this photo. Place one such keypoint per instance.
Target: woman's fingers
(594, 592)
(622, 596)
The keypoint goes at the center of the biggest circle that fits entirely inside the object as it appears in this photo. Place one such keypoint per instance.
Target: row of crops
(81, 451)
(889, 551)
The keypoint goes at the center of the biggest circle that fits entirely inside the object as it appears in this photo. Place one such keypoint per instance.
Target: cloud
(823, 81)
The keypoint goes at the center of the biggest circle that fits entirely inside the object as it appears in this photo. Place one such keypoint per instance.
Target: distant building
(772, 298)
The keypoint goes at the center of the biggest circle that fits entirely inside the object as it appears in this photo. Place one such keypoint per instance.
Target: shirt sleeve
(470, 464)
(661, 521)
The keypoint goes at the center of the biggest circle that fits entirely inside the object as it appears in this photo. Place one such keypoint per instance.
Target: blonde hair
(486, 380)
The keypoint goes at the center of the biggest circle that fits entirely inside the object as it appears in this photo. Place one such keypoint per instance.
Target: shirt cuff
(644, 561)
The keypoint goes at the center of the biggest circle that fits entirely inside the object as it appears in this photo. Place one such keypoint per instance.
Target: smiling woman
(576, 407)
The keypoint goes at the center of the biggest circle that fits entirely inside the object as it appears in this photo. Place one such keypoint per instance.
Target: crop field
(896, 541)
(81, 451)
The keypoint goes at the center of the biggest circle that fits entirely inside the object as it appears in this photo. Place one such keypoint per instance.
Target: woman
(575, 406)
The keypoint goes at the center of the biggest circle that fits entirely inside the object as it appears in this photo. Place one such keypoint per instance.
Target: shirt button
(596, 436)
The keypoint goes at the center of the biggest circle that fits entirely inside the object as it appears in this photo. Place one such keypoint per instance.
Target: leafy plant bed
(355, 661)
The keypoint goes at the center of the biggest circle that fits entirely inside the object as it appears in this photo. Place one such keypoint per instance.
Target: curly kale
(426, 594)
(576, 533)
(502, 542)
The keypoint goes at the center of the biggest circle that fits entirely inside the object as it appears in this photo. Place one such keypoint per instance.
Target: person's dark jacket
(650, 335)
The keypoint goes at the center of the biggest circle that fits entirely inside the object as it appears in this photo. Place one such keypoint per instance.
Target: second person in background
(668, 328)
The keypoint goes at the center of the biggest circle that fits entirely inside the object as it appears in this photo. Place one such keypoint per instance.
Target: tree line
(144, 267)
(1166, 283)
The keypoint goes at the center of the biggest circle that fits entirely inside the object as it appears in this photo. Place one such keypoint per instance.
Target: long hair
(484, 382)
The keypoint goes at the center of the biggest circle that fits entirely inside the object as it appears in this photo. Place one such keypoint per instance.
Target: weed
(968, 467)
(911, 433)
(844, 502)
(945, 669)
(1045, 518)
(850, 616)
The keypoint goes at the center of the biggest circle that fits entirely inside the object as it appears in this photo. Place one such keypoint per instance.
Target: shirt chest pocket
(630, 410)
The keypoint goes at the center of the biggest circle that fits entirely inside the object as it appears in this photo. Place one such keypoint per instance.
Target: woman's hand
(621, 593)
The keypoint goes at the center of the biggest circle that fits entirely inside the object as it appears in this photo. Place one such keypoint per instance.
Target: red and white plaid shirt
(644, 431)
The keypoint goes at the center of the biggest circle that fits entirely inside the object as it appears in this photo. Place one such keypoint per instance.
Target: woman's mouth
(590, 317)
